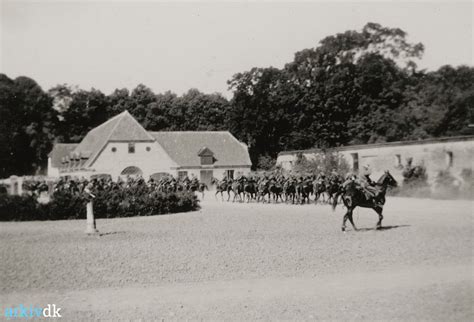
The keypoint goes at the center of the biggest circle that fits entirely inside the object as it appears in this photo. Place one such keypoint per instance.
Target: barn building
(453, 153)
(122, 147)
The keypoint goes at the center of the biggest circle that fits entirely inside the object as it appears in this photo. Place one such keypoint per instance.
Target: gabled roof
(122, 127)
(59, 151)
(184, 147)
(205, 151)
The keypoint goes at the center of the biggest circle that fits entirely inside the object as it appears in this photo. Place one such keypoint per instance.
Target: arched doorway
(131, 171)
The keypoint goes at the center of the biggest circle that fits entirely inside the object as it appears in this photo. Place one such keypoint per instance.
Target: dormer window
(207, 156)
(207, 160)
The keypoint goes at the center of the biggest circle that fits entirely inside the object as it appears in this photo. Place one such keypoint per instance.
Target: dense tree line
(354, 87)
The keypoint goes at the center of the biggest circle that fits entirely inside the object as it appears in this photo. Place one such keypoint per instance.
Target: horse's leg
(352, 220)
(379, 210)
(344, 219)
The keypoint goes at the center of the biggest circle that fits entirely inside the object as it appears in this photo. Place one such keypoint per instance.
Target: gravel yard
(249, 261)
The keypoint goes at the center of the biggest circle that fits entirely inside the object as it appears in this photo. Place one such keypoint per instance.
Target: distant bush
(107, 204)
(265, 163)
(322, 162)
(19, 208)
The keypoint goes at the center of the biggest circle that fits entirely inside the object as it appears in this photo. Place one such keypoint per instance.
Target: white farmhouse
(121, 146)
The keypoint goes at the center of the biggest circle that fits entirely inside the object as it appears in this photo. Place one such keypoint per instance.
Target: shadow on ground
(382, 228)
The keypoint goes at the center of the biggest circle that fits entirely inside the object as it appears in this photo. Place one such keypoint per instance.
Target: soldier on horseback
(367, 185)
(224, 178)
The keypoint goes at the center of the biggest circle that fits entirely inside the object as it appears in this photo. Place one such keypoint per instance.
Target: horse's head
(387, 180)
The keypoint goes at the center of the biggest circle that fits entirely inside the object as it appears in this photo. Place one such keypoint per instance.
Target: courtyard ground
(248, 261)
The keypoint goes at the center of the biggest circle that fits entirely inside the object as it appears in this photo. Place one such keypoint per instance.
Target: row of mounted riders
(279, 188)
(307, 189)
(353, 190)
(75, 186)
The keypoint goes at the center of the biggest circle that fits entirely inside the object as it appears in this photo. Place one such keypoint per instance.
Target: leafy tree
(158, 114)
(27, 122)
(262, 110)
(87, 109)
(118, 102)
(439, 103)
(140, 99)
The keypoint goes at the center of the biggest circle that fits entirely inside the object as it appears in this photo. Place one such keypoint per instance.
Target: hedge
(110, 204)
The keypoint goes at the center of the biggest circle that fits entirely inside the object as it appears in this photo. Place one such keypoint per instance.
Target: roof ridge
(141, 126)
(96, 154)
(109, 120)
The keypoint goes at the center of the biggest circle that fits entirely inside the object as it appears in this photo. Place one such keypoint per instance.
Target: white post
(90, 220)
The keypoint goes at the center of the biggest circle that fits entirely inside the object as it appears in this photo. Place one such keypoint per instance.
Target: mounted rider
(321, 178)
(368, 186)
(335, 177)
(251, 180)
(225, 179)
(241, 179)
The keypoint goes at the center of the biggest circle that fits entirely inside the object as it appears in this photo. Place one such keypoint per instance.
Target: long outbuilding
(455, 154)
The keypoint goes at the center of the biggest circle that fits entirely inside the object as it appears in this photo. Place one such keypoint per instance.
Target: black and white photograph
(236, 160)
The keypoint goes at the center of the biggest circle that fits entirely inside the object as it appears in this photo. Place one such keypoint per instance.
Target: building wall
(52, 171)
(153, 161)
(217, 173)
(435, 156)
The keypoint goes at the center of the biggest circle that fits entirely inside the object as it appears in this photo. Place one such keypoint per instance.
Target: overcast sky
(166, 46)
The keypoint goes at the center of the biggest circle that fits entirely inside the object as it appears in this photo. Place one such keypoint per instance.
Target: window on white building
(131, 148)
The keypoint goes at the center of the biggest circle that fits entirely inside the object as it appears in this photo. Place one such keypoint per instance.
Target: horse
(275, 190)
(221, 186)
(332, 189)
(353, 196)
(289, 189)
(201, 187)
(250, 190)
(238, 189)
(319, 188)
(303, 191)
(262, 190)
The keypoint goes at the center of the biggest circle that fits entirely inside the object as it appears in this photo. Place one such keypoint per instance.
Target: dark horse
(353, 196)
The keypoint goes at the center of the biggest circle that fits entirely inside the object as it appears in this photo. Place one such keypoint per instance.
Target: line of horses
(310, 189)
(279, 189)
